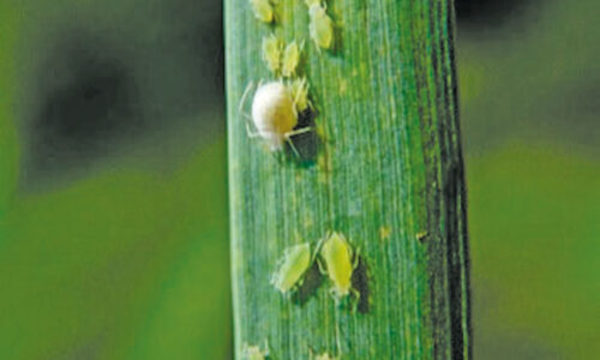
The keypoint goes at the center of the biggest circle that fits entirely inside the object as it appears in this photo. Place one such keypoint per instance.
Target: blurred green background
(113, 208)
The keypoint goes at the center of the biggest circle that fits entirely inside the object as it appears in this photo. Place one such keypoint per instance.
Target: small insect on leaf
(274, 114)
(385, 232)
(271, 53)
(339, 262)
(263, 10)
(291, 58)
(296, 260)
(321, 25)
(299, 88)
(254, 352)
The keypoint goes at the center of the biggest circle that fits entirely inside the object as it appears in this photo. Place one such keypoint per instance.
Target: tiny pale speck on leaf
(343, 86)
(385, 232)
(324, 164)
(422, 235)
(308, 221)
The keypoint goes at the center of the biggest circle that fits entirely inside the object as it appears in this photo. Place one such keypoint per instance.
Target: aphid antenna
(266, 353)
(354, 292)
(318, 48)
(301, 46)
(322, 240)
(318, 249)
(337, 334)
(356, 258)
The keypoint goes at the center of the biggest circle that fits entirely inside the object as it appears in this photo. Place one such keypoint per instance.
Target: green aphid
(338, 262)
(271, 53)
(299, 90)
(263, 10)
(255, 353)
(321, 25)
(296, 260)
(291, 58)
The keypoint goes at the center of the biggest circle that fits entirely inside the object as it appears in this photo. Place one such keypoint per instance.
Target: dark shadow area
(312, 281)
(458, 273)
(88, 98)
(143, 82)
(360, 282)
(486, 13)
(306, 144)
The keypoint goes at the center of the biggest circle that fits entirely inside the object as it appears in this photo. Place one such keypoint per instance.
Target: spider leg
(245, 95)
(250, 133)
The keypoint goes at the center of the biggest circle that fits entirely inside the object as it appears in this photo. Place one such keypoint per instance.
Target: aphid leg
(266, 353)
(337, 338)
(315, 255)
(317, 46)
(302, 82)
(333, 293)
(356, 294)
(318, 247)
(321, 267)
(297, 132)
(356, 259)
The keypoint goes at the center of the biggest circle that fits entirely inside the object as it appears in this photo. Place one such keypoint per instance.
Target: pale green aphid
(339, 262)
(291, 58)
(263, 10)
(254, 352)
(299, 89)
(271, 53)
(296, 260)
(321, 25)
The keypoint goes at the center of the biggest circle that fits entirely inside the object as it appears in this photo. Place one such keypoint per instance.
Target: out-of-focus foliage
(529, 111)
(125, 256)
(113, 244)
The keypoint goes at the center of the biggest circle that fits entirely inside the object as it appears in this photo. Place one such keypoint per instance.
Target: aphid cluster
(335, 258)
(275, 111)
(277, 104)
